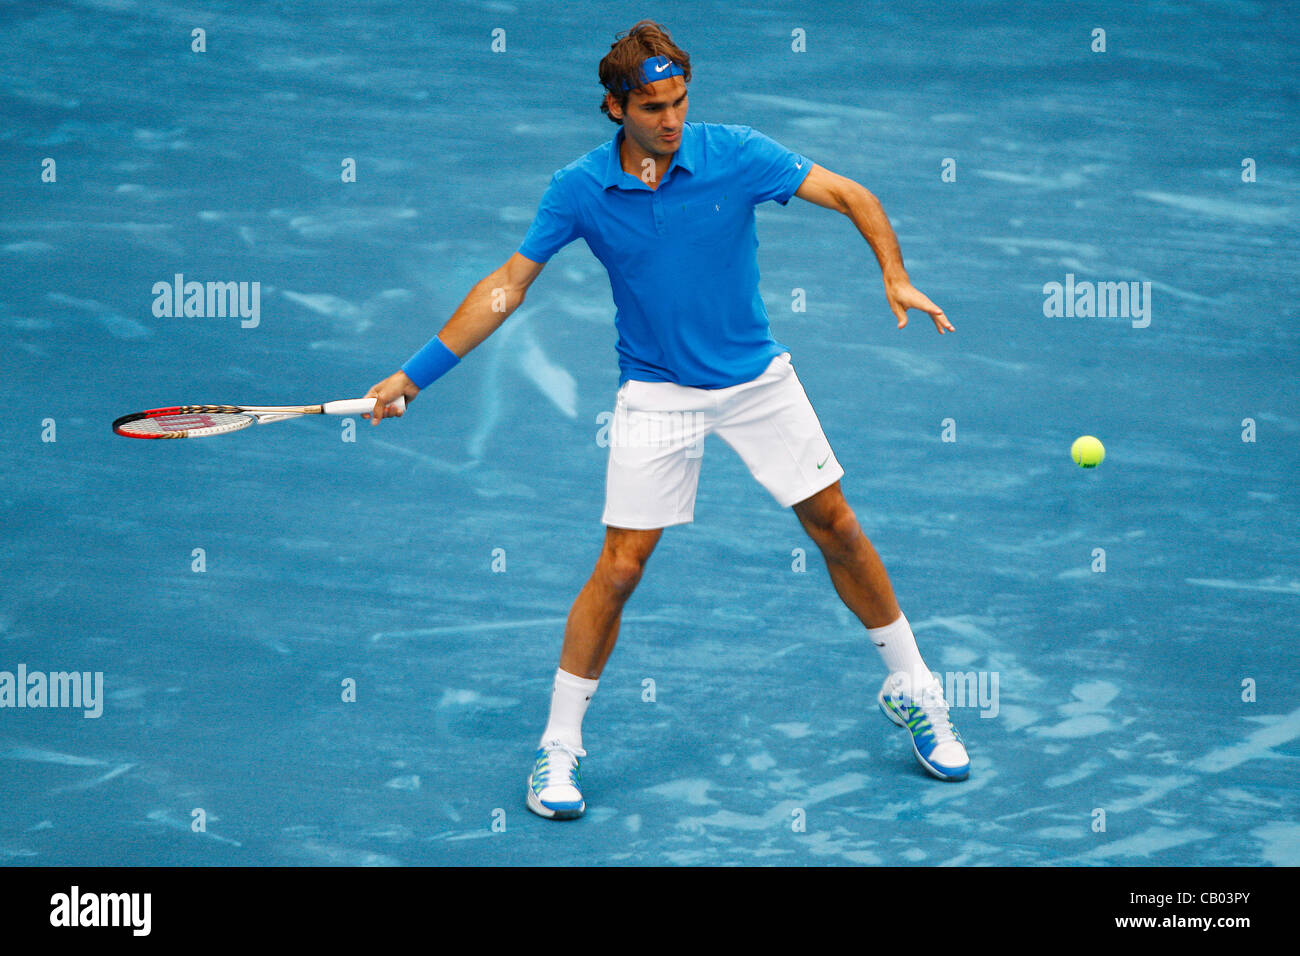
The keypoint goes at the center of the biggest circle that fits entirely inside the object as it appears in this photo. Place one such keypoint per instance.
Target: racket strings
(187, 424)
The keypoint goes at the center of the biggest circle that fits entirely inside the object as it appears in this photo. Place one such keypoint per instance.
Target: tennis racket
(200, 421)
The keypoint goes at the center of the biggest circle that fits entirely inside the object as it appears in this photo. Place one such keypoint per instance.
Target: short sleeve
(770, 170)
(554, 226)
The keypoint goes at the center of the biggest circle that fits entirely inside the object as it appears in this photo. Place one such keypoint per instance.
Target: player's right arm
(481, 313)
(489, 304)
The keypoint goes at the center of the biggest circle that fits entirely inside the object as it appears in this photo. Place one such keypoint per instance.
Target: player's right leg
(555, 785)
(656, 440)
(592, 628)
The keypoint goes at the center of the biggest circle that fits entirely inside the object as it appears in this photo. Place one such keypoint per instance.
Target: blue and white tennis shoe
(935, 741)
(554, 786)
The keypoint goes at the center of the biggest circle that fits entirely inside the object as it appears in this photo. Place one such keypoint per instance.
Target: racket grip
(359, 406)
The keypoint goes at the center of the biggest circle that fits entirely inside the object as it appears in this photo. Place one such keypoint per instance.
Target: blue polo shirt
(682, 259)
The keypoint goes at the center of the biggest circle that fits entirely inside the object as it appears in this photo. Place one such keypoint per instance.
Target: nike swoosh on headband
(655, 68)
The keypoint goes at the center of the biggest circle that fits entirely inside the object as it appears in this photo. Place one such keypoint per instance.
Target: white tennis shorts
(656, 443)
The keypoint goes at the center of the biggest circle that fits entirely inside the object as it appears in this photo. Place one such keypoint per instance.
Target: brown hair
(620, 70)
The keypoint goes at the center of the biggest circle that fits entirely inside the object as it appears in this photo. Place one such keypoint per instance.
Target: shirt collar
(684, 158)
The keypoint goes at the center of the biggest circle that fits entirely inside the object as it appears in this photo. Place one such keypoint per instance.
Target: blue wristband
(430, 363)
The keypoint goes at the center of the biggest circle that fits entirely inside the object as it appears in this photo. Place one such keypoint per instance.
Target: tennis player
(667, 207)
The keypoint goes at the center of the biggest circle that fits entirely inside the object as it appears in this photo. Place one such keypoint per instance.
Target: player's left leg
(772, 426)
(911, 696)
(856, 569)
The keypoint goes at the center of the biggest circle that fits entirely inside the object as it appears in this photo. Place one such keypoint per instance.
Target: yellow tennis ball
(1087, 452)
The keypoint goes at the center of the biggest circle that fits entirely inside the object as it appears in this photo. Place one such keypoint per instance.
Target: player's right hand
(388, 391)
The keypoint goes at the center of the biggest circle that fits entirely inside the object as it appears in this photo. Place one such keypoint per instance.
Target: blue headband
(656, 68)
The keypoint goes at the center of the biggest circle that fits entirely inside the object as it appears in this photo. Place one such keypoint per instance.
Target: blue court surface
(1124, 637)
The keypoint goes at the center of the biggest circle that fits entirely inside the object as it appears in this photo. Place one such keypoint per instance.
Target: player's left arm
(832, 191)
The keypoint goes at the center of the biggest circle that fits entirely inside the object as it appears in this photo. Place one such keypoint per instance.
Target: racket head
(184, 421)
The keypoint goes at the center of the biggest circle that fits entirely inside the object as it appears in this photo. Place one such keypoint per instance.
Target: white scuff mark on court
(907, 362)
(357, 318)
(1066, 180)
(1221, 208)
(501, 626)
(552, 380)
(127, 694)
(1257, 744)
(1014, 717)
(1279, 730)
(731, 820)
(1268, 585)
(519, 214)
(1242, 796)
(116, 324)
(436, 463)
(410, 782)
(1280, 843)
(971, 850)
(1288, 424)
(798, 104)
(1078, 574)
(1080, 772)
(322, 303)
(849, 783)
(845, 756)
(793, 731)
(360, 220)
(395, 832)
(472, 698)
(821, 843)
(1178, 293)
(1085, 726)
(88, 784)
(964, 626)
(1090, 696)
(953, 656)
(1027, 812)
(761, 761)
(694, 791)
(51, 756)
(344, 856)
(1154, 789)
(1012, 245)
(1152, 840)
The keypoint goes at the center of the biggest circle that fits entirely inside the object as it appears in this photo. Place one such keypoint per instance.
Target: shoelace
(550, 770)
(931, 703)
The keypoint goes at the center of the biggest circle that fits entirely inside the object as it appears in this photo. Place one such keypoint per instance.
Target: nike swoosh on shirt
(823, 461)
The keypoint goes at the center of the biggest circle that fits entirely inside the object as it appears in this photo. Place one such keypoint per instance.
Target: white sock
(569, 698)
(897, 645)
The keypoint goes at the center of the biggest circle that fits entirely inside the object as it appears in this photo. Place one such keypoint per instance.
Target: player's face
(654, 117)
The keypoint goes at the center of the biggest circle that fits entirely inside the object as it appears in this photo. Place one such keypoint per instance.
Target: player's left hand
(903, 296)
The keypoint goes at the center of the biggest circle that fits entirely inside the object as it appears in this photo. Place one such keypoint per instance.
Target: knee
(838, 533)
(621, 571)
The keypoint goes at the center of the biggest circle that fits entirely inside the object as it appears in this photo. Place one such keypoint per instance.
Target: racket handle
(359, 406)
